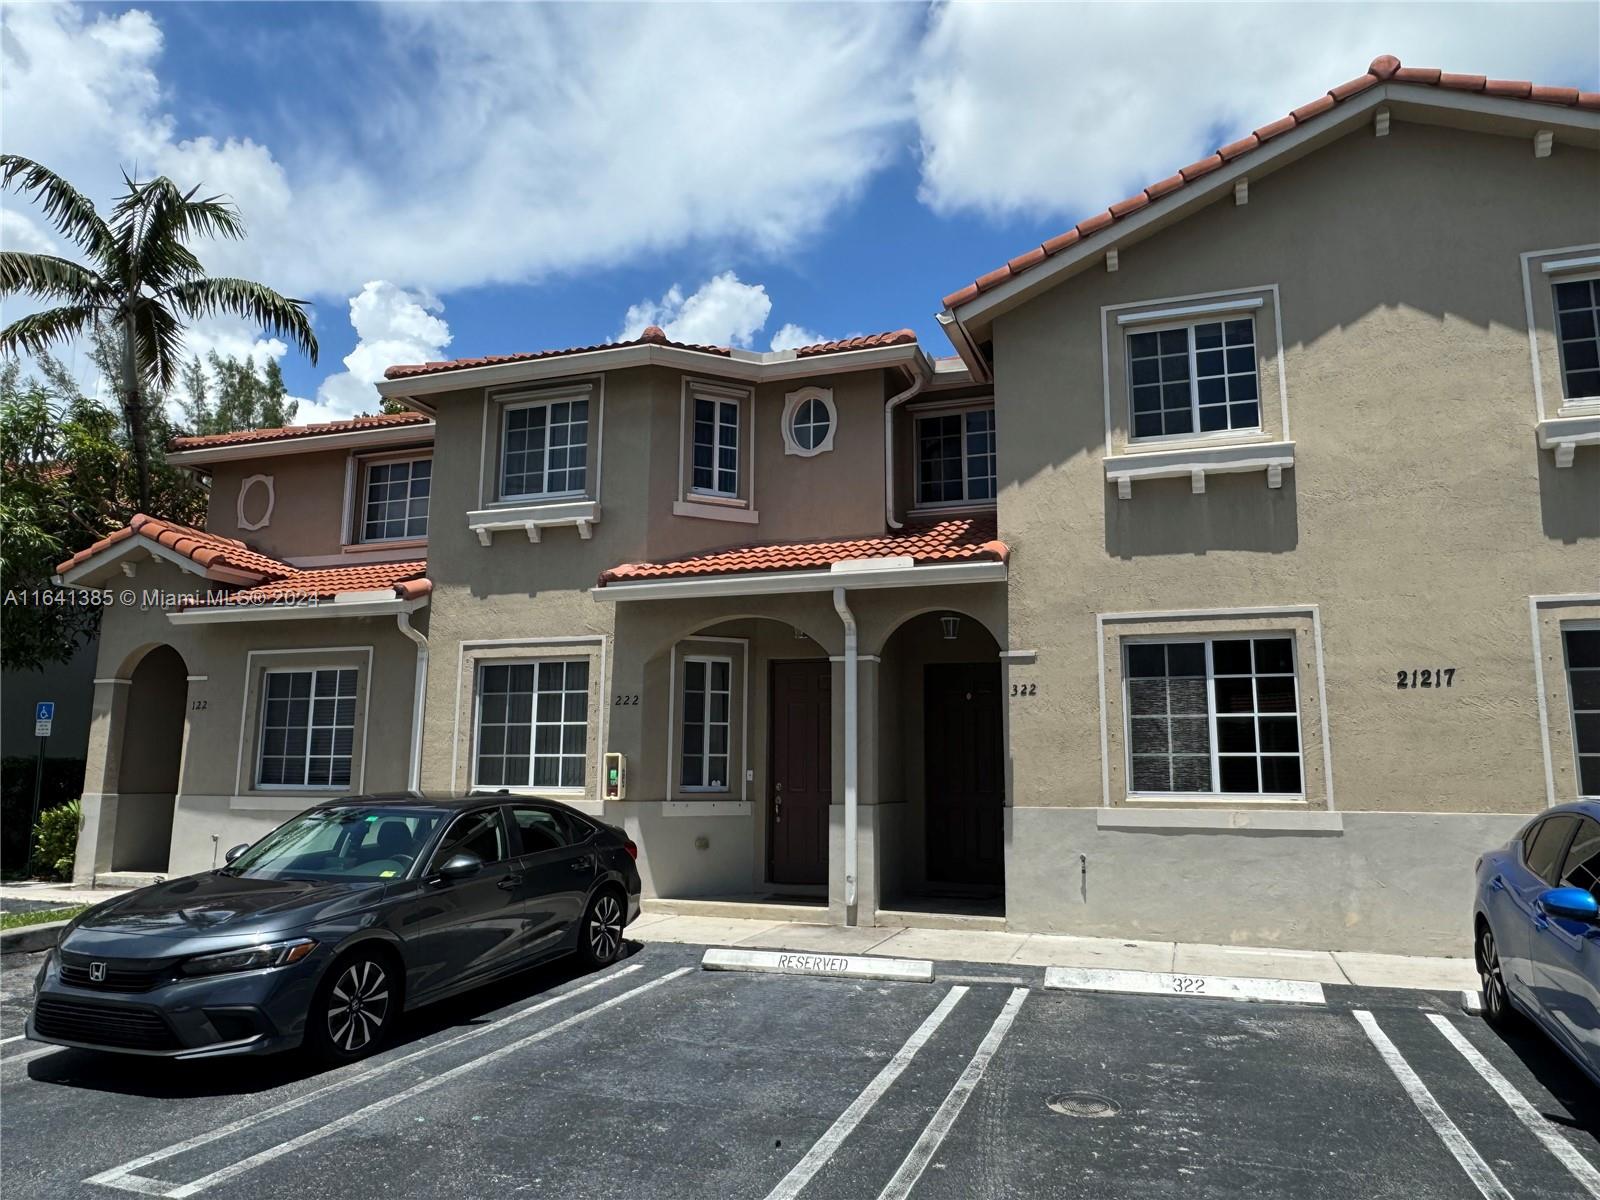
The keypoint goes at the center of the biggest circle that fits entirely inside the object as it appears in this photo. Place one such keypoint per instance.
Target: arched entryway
(941, 749)
(150, 761)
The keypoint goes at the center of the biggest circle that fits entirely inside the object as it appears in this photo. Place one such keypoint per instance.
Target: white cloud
(1063, 109)
(791, 336)
(722, 312)
(18, 231)
(392, 326)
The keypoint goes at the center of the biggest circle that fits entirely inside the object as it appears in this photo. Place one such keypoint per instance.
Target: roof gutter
(355, 439)
(232, 614)
(752, 583)
(977, 366)
(921, 377)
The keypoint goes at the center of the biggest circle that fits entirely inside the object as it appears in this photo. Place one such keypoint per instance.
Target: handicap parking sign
(44, 713)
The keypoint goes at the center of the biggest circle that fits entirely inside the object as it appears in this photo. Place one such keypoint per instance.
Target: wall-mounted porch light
(952, 626)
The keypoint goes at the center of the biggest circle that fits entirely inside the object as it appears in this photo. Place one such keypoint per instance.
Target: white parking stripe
(825, 1147)
(1486, 1181)
(29, 1055)
(427, 1085)
(117, 1175)
(928, 1144)
(1580, 1167)
(14, 1038)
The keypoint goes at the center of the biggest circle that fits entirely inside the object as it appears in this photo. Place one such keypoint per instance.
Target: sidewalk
(56, 893)
(1056, 950)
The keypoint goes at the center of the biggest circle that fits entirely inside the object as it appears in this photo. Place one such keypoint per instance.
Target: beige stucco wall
(1419, 515)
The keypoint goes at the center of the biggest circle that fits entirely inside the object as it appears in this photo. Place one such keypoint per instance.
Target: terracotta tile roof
(1383, 69)
(245, 436)
(959, 539)
(653, 336)
(206, 549)
(405, 578)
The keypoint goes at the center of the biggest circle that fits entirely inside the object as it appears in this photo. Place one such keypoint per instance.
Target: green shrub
(55, 839)
(63, 780)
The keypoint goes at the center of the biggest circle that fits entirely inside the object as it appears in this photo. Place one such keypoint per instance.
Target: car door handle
(1497, 884)
(580, 864)
(509, 882)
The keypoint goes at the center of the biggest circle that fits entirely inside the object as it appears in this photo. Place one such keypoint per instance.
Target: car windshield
(341, 842)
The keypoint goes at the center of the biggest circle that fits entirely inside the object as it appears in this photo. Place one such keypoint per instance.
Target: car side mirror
(1575, 904)
(460, 866)
(235, 851)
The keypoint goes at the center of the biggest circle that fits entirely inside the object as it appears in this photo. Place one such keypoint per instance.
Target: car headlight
(249, 958)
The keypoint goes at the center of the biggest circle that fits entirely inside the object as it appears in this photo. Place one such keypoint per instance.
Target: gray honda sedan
(329, 927)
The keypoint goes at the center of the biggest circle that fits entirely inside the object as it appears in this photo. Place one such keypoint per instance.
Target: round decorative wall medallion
(256, 494)
(809, 421)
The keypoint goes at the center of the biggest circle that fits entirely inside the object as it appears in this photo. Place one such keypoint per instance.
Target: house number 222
(1437, 677)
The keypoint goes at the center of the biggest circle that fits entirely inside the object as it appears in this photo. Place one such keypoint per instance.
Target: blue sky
(488, 178)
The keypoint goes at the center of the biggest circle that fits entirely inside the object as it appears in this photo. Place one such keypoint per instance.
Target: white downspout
(919, 382)
(852, 753)
(419, 693)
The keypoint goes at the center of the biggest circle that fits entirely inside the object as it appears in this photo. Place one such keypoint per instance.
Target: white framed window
(544, 448)
(714, 446)
(1581, 648)
(955, 457)
(1213, 716)
(707, 724)
(1577, 306)
(532, 724)
(809, 422)
(1193, 378)
(394, 499)
(308, 728)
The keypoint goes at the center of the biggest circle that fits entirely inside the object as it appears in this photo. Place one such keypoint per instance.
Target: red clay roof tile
(244, 436)
(406, 579)
(1384, 67)
(865, 341)
(205, 549)
(958, 539)
(1023, 261)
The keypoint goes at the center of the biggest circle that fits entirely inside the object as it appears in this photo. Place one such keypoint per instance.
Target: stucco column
(103, 761)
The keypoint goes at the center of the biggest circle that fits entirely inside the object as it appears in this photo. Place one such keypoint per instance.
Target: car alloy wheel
(1495, 1003)
(358, 1006)
(605, 928)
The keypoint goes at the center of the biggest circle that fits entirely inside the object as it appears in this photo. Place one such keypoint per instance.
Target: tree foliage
(226, 395)
(141, 283)
(69, 478)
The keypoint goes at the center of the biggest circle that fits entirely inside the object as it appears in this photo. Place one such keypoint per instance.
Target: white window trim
(716, 506)
(1312, 611)
(1548, 270)
(705, 748)
(1216, 797)
(358, 776)
(792, 404)
(1196, 434)
(1580, 271)
(507, 406)
(354, 504)
(1191, 313)
(488, 650)
(718, 403)
(355, 536)
(1572, 709)
(530, 789)
(966, 503)
(1171, 302)
(673, 738)
(593, 389)
(261, 733)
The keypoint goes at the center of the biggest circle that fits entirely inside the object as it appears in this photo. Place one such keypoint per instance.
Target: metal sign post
(44, 715)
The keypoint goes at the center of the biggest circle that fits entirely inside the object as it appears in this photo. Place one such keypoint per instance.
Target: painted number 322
(1437, 677)
(1188, 984)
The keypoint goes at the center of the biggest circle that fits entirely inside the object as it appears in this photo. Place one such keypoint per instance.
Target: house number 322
(1435, 677)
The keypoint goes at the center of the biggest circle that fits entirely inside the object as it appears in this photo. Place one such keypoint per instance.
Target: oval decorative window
(809, 421)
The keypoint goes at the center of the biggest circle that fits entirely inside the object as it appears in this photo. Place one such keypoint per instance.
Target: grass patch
(17, 920)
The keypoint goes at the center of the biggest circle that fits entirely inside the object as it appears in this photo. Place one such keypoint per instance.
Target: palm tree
(141, 284)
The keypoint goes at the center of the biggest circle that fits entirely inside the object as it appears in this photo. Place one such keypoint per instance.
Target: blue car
(1537, 929)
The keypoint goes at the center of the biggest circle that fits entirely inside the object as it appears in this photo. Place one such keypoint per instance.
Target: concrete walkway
(1054, 950)
(56, 893)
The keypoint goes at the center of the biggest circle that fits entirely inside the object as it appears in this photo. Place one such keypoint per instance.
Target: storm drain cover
(1083, 1104)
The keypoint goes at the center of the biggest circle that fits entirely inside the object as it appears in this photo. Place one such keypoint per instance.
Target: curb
(31, 937)
(1162, 983)
(789, 962)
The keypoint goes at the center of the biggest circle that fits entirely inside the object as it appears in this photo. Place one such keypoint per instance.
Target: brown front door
(799, 748)
(965, 780)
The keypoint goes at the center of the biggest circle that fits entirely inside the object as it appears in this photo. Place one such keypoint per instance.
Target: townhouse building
(1237, 580)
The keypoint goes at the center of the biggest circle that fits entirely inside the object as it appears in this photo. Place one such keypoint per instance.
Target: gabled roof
(285, 432)
(654, 336)
(1383, 69)
(208, 551)
(958, 539)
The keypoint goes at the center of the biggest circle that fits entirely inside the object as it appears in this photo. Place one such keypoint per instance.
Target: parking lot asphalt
(657, 1079)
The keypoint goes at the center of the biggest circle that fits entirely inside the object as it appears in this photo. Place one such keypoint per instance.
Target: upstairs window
(1578, 330)
(395, 499)
(1213, 717)
(716, 447)
(545, 449)
(1198, 378)
(955, 457)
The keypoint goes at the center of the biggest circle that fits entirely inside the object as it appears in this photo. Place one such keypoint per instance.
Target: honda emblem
(97, 972)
